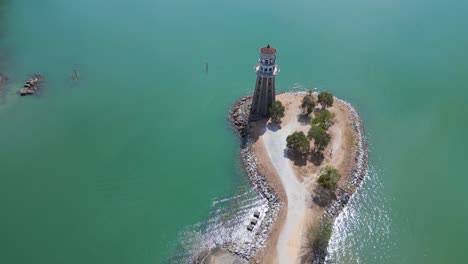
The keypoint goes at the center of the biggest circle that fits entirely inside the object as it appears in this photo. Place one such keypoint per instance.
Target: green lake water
(116, 167)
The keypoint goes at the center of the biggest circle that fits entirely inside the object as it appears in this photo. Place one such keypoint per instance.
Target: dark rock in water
(32, 85)
(24, 91)
(345, 198)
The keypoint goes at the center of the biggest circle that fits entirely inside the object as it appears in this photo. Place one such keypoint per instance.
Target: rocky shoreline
(357, 173)
(355, 177)
(239, 118)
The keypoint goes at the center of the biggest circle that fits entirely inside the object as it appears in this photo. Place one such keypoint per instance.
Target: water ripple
(364, 225)
(226, 223)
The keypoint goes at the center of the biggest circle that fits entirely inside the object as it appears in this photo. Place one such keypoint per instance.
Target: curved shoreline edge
(239, 118)
(356, 175)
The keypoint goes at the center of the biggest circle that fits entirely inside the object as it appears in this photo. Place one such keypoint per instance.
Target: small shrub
(277, 111)
(308, 104)
(318, 236)
(329, 178)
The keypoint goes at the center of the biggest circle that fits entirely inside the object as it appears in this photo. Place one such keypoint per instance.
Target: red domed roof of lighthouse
(268, 50)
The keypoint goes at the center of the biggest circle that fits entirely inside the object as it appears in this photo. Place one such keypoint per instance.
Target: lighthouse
(264, 93)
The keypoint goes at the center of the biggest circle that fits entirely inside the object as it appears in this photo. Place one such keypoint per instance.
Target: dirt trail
(290, 239)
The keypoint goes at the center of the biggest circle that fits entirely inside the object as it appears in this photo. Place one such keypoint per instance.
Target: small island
(305, 153)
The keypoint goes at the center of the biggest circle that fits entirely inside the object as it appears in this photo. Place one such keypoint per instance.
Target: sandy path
(290, 238)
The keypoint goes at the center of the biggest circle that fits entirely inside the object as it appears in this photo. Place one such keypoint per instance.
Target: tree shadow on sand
(307, 255)
(256, 128)
(323, 197)
(297, 158)
(304, 119)
(317, 158)
(274, 126)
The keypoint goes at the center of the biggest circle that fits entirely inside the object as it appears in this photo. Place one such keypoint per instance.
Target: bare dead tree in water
(75, 75)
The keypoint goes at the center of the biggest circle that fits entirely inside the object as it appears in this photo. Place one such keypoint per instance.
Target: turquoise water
(114, 167)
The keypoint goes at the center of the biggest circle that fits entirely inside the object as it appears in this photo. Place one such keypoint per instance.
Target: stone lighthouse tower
(264, 94)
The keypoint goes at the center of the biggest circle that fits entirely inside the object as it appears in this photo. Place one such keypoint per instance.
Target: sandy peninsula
(298, 180)
(289, 183)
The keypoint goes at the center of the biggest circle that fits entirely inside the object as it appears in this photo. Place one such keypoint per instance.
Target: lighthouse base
(264, 97)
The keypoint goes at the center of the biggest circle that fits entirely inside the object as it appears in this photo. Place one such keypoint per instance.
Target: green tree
(308, 103)
(277, 111)
(298, 142)
(325, 99)
(320, 136)
(324, 119)
(329, 178)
